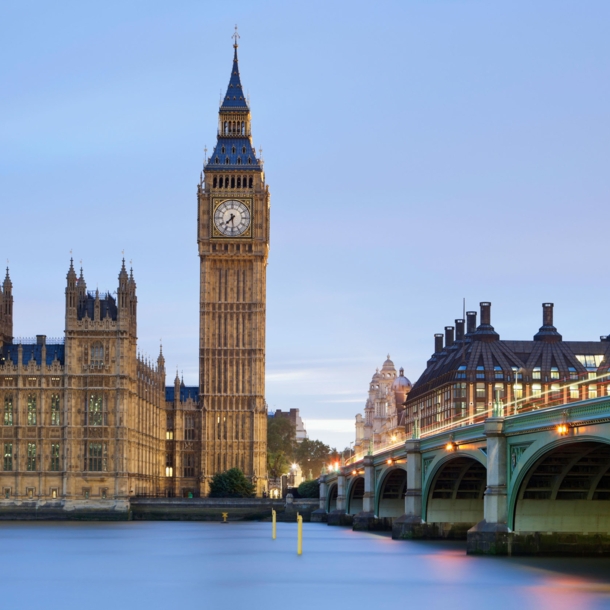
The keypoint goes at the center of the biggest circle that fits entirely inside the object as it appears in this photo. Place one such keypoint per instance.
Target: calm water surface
(211, 565)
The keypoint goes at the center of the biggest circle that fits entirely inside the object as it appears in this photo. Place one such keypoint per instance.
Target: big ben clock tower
(233, 239)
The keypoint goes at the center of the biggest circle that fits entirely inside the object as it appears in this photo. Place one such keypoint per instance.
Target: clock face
(232, 218)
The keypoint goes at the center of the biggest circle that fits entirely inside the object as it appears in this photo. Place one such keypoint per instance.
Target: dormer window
(217, 160)
(249, 160)
(238, 160)
(536, 373)
(554, 372)
(227, 161)
(233, 150)
(243, 149)
(222, 150)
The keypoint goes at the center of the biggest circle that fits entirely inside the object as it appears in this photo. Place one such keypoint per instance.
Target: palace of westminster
(85, 421)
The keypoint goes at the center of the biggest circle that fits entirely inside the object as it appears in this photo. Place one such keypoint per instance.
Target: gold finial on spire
(235, 37)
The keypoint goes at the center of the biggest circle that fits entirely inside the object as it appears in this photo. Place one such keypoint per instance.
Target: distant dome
(388, 365)
(376, 376)
(401, 383)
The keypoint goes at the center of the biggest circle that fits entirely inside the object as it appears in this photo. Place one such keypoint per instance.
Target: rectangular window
(536, 373)
(96, 459)
(574, 392)
(189, 428)
(7, 493)
(104, 494)
(31, 464)
(498, 372)
(8, 410)
(461, 372)
(554, 372)
(499, 392)
(54, 494)
(8, 456)
(95, 414)
(55, 457)
(518, 390)
(480, 390)
(555, 391)
(189, 464)
(593, 391)
(480, 372)
(573, 373)
(31, 410)
(590, 361)
(536, 390)
(169, 435)
(55, 410)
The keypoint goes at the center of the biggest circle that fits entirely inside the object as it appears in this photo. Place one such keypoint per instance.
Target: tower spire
(234, 98)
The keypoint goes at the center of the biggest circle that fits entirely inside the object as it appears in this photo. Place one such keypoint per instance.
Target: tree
(281, 436)
(277, 464)
(312, 455)
(309, 489)
(231, 484)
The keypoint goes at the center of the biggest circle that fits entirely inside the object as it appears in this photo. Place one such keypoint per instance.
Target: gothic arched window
(238, 160)
(227, 161)
(95, 411)
(97, 354)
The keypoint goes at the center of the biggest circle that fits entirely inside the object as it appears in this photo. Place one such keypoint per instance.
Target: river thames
(141, 565)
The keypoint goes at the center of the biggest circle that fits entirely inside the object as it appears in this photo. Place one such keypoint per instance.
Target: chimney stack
(438, 343)
(459, 330)
(448, 336)
(547, 331)
(485, 331)
(471, 323)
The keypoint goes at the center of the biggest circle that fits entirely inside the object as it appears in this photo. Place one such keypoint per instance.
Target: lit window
(169, 435)
(95, 413)
(554, 372)
(593, 391)
(590, 361)
(574, 392)
(8, 410)
(31, 457)
(555, 391)
(536, 373)
(8, 456)
(536, 390)
(54, 493)
(480, 390)
(31, 410)
(55, 457)
(55, 410)
(518, 389)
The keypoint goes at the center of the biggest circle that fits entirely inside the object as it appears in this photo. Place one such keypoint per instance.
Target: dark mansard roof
(185, 393)
(10, 353)
(460, 359)
(86, 306)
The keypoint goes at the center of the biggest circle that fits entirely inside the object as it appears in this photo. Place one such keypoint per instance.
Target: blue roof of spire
(235, 98)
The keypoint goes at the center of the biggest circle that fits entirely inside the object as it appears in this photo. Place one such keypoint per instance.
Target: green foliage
(312, 455)
(309, 489)
(281, 436)
(277, 464)
(231, 484)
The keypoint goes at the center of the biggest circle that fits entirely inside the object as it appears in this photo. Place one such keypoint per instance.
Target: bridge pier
(410, 525)
(492, 535)
(339, 516)
(365, 520)
(320, 515)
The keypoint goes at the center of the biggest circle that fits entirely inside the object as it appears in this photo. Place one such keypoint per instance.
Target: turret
(6, 310)
(161, 361)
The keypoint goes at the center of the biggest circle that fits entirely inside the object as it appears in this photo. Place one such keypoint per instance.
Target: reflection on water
(237, 565)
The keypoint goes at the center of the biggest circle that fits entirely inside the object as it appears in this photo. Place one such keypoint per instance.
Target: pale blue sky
(417, 152)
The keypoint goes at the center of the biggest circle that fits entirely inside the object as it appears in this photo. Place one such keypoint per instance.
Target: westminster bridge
(535, 482)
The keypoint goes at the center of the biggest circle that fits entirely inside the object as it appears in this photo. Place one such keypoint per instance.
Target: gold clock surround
(216, 202)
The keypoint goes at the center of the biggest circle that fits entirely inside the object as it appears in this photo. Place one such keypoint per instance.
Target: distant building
(383, 421)
(470, 372)
(295, 418)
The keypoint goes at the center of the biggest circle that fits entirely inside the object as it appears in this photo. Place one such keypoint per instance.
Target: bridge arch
(564, 487)
(331, 497)
(355, 495)
(390, 493)
(454, 490)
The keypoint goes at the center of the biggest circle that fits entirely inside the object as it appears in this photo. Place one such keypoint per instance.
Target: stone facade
(383, 421)
(83, 418)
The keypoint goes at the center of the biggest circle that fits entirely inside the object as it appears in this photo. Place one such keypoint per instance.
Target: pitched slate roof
(185, 393)
(234, 98)
(10, 353)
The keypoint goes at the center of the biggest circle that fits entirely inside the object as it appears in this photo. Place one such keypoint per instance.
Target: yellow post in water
(299, 535)
(224, 517)
(273, 524)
